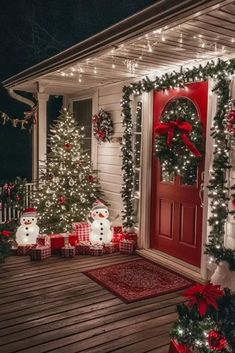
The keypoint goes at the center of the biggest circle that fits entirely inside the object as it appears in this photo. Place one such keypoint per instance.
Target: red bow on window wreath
(184, 128)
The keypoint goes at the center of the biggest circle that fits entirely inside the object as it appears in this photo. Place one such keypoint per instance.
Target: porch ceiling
(208, 35)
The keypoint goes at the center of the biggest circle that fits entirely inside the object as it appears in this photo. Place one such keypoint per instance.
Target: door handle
(201, 189)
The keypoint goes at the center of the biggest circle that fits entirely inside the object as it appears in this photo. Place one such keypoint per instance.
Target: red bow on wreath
(184, 128)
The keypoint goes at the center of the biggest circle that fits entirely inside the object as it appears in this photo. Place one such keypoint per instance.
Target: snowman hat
(29, 212)
(98, 204)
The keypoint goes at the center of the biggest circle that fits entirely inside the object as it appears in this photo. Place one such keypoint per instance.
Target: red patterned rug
(137, 280)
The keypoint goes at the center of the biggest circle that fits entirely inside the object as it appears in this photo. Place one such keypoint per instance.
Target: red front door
(176, 212)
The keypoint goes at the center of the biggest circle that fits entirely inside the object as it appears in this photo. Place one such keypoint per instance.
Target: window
(137, 138)
(82, 113)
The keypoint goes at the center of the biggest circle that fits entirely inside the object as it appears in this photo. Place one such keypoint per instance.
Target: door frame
(145, 206)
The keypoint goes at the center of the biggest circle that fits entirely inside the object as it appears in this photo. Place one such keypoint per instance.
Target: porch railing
(7, 213)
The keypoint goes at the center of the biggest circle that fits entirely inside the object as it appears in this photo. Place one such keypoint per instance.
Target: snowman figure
(28, 231)
(100, 227)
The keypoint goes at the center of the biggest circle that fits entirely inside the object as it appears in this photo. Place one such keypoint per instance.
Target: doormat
(136, 280)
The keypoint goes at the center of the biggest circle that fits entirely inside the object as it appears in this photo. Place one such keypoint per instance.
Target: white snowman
(28, 231)
(100, 227)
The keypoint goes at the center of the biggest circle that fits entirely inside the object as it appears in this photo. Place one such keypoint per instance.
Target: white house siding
(109, 158)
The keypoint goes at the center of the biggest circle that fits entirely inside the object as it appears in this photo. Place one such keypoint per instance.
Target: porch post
(40, 134)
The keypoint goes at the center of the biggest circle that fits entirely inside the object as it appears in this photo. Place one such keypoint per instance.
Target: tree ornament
(71, 182)
(90, 178)
(233, 202)
(216, 340)
(203, 296)
(68, 146)
(61, 200)
(102, 126)
(178, 140)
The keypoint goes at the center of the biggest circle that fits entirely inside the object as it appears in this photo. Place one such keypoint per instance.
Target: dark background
(32, 30)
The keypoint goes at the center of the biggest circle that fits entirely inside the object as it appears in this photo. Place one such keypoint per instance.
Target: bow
(184, 128)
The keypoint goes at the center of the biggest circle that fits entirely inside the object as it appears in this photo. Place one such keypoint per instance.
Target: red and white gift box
(40, 253)
(117, 229)
(130, 236)
(83, 248)
(109, 248)
(43, 240)
(127, 246)
(62, 239)
(117, 237)
(96, 250)
(68, 251)
(82, 229)
(23, 250)
(176, 347)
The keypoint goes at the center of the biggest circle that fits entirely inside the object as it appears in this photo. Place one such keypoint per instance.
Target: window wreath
(179, 140)
(102, 126)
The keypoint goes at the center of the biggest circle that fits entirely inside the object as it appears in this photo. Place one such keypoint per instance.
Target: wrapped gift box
(82, 230)
(23, 250)
(96, 250)
(116, 247)
(83, 248)
(109, 248)
(117, 229)
(176, 347)
(130, 236)
(117, 237)
(127, 246)
(68, 251)
(40, 253)
(43, 240)
(62, 239)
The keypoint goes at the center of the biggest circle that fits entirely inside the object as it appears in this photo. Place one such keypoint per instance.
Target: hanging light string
(29, 119)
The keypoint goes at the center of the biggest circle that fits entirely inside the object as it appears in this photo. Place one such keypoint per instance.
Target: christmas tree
(67, 185)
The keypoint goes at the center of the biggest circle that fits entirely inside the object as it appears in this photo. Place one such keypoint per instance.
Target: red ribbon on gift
(184, 128)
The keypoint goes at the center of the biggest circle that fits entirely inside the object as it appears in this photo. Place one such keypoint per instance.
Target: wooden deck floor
(51, 307)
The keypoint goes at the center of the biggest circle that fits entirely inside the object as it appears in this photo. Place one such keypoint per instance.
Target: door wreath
(102, 126)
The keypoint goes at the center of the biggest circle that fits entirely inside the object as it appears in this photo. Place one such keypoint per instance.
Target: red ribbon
(184, 128)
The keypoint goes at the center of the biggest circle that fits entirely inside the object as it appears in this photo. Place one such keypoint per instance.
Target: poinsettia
(6, 233)
(204, 296)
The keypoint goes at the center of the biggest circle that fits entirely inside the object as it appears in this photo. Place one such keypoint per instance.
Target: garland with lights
(27, 122)
(221, 71)
(205, 323)
(102, 126)
(178, 140)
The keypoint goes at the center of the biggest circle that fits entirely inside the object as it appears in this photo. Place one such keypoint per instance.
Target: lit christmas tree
(67, 186)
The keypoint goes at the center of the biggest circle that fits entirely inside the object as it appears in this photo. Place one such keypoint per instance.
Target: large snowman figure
(100, 227)
(28, 231)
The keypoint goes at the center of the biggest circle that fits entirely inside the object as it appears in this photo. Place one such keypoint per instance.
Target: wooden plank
(111, 98)
(109, 160)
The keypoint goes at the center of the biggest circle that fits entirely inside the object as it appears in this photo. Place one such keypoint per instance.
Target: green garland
(178, 159)
(221, 71)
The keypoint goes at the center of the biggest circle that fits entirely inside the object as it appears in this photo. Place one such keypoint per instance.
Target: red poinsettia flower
(203, 296)
(216, 340)
(6, 233)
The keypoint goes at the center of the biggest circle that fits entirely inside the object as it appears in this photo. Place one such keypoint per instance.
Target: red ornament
(6, 233)
(61, 199)
(90, 178)
(68, 146)
(184, 128)
(216, 340)
(101, 135)
(203, 296)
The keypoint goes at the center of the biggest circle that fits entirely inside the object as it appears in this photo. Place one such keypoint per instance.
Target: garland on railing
(221, 71)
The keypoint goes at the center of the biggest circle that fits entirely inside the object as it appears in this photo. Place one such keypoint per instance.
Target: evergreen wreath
(102, 126)
(179, 141)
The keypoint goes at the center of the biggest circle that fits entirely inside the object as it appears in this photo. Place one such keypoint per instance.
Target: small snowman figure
(28, 231)
(100, 227)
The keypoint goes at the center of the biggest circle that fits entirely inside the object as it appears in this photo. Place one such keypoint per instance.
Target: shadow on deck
(51, 307)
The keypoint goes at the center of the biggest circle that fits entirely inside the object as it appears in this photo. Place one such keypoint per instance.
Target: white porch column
(40, 134)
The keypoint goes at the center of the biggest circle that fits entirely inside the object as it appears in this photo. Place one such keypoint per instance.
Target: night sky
(32, 30)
